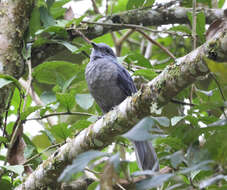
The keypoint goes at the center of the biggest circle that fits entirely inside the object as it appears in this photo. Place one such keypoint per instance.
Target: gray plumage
(110, 83)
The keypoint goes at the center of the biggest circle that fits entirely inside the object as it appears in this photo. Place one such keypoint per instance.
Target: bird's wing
(125, 81)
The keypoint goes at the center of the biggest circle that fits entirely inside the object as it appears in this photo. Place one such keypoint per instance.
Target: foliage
(189, 140)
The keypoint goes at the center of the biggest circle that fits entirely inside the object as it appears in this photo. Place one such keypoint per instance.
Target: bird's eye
(108, 51)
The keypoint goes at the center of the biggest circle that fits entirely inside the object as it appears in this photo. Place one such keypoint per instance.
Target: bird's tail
(146, 155)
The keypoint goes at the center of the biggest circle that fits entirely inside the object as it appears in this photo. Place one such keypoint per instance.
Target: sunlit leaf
(84, 100)
(153, 182)
(79, 164)
(18, 169)
(141, 131)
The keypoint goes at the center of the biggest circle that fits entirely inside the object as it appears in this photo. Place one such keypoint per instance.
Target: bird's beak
(94, 45)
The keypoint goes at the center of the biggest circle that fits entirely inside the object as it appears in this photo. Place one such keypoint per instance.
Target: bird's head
(101, 50)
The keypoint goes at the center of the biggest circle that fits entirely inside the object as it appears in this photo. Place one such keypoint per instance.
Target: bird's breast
(101, 75)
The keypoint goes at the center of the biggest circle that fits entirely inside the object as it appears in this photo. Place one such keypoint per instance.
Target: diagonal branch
(146, 101)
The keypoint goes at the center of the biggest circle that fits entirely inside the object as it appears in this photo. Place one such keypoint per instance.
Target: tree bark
(14, 20)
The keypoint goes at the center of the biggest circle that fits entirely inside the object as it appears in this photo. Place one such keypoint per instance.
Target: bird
(110, 83)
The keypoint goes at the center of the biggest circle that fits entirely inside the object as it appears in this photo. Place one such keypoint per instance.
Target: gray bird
(110, 84)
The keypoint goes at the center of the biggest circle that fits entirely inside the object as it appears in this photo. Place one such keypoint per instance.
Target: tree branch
(134, 19)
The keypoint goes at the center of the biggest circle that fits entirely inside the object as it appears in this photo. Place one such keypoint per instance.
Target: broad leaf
(141, 131)
(84, 100)
(79, 164)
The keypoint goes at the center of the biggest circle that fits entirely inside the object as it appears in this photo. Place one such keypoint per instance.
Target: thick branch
(148, 17)
(143, 17)
(146, 101)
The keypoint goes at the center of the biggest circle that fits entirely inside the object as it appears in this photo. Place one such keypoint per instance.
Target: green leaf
(120, 6)
(67, 100)
(211, 180)
(69, 46)
(3, 158)
(176, 158)
(93, 118)
(181, 28)
(18, 169)
(79, 164)
(45, 17)
(141, 131)
(220, 122)
(134, 4)
(147, 73)
(176, 119)
(29, 151)
(5, 184)
(148, 3)
(85, 101)
(48, 72)
(76, 21)
(48, 97)
(6, 79)
(138, 59)
(34, 22)
(221, 3)
(54, 29)
(68, 83)
(163, 121)
(173, 142)
(81, 124)
(41, 141)
(4, 82)
(61, 131)
(3, 139)
(28, 111)
(49, 135)
(93, 185)
(200, 25)
(153, 182)
(107, 38)
(57, 10)
(41, 3)
(194, 167)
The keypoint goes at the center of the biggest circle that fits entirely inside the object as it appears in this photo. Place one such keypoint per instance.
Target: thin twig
(134, 26)
(221, 92)
(29, 82)
(118, 42)
(95, 7)
(157, 44)
(106, 12)
(194, 24)
(120, 186)
(16, 128)
(39, 154)
(6, 115)
(60, 113)
(114, 37)
(182, 103)
(125, 36)
(83, 36)
(219, 87)
(92, 171)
